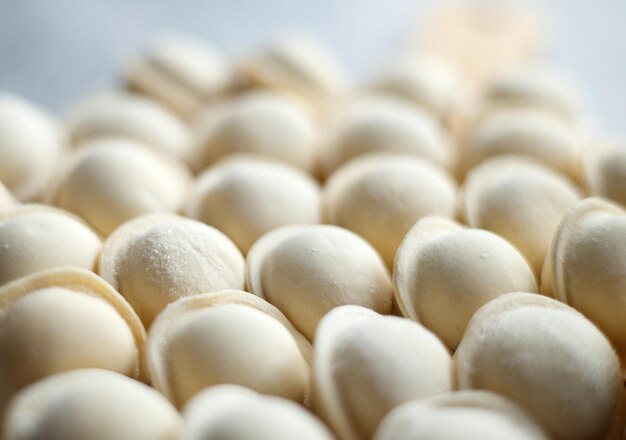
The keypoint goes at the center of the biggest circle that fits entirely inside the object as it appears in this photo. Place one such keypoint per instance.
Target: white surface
(56, 51)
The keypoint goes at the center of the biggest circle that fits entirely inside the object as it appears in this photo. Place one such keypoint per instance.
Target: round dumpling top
(604, 169)
(532, 87)
(246, 197)
(228, 337)
(179, 71)
(586, 266)
(218, 413)
(64, 319)
(385, 125)
(520, 200)
(157, 258)
(91, 404)
(531, 133)
(546, 357)
(38, 237)
(134, 117)
(444, 272)
(425, 81)
(452, 416)
(306, 271)
(31, 147)
(299, 65)
(381, 196)
(366, 364)
(265, 124)
(111, 181)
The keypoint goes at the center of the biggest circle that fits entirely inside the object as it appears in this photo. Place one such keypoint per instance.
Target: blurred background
(55, 52)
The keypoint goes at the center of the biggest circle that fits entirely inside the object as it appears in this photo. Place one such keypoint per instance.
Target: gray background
(55, 51)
